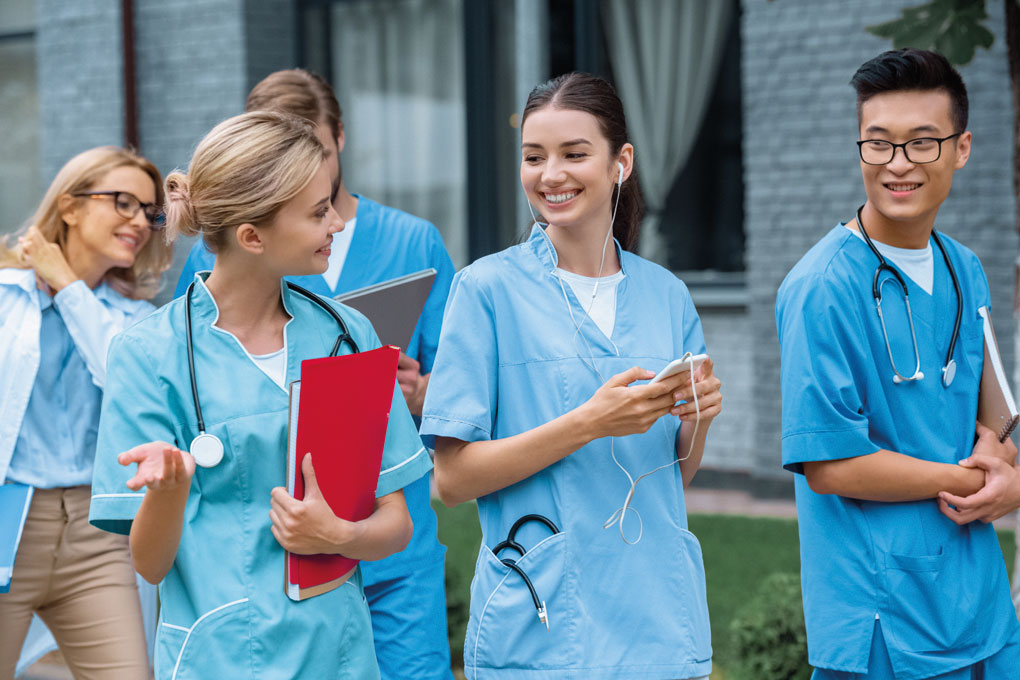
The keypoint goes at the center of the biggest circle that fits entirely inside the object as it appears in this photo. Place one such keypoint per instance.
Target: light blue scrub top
(387, 243)
(940, 589)
(508, 362)
(224, 612)
(57, 440)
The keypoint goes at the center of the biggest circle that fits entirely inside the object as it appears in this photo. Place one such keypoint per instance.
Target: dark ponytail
(591, 94)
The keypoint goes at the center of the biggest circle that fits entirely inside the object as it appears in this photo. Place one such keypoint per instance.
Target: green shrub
(768, 633)
(460, 533)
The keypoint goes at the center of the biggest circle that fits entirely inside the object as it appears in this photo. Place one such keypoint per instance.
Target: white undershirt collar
(917, 263)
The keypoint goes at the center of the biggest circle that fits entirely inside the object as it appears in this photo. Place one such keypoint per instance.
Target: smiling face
(904, 197)
(96, 233)
(297, 242)
(567, 169)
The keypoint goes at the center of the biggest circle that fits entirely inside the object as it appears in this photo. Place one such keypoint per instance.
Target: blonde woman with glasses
(79, 274)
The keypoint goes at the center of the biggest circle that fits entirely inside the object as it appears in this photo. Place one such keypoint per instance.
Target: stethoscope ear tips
(897, 379)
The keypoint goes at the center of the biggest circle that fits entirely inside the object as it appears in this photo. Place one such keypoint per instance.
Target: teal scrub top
(223, 608)
(387, 243)
(510, 360)
(940, 589)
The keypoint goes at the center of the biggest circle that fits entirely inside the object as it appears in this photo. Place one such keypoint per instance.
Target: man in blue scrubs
(899, 581)
(406, 592)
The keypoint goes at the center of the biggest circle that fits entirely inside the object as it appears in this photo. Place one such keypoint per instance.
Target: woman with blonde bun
(213, 536)
(79, 274)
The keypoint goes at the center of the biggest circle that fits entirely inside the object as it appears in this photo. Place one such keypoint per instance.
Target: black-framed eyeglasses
(127, 206)
(918, 151)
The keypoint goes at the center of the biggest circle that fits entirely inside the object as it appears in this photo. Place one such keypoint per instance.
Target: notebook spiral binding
(1008, 428)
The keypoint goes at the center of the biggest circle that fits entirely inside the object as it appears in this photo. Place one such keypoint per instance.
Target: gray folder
(393, 306)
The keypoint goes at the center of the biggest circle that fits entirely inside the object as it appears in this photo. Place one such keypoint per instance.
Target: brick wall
(801, 171)
(81, 94)
(731, 442)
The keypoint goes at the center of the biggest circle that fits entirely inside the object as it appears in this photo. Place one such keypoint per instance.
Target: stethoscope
(511, 543)
(949, 370)
(207, 449)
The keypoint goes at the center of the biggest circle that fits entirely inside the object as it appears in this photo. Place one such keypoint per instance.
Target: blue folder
(14, 502)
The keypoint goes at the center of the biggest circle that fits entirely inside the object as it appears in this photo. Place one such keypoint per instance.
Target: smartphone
(679, 366)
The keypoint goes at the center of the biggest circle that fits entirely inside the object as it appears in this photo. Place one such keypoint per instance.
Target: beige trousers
(81, 583)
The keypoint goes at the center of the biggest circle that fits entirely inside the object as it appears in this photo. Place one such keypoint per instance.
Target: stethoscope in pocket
(207, 449)
(512, 544)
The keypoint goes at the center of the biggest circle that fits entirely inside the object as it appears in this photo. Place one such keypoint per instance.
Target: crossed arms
(983, 487)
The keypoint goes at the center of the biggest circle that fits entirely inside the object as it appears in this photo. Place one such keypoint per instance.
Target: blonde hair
(140, 280)
(300, 93)
(242, 172)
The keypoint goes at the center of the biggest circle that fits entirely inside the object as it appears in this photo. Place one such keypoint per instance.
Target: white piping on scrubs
(187, 637)
(403, 462)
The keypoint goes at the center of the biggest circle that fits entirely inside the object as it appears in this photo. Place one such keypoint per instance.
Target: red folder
(338, 412)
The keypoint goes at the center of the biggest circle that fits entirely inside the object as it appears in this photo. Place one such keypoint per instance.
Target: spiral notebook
(996, 407)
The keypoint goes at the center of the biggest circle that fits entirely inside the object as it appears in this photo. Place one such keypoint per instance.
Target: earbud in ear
(619, 178)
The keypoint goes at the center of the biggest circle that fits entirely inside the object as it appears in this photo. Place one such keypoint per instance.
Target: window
(397, 67)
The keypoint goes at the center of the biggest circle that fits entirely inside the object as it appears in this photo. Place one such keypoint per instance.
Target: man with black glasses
(880, 385)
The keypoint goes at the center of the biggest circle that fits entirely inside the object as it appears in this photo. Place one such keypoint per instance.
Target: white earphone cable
(618, 516)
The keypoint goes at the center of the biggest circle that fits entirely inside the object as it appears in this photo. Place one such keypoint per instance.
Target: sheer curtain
(665, 57)
(399, 74)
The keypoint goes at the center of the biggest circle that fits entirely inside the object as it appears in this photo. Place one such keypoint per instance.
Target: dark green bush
(768, 633)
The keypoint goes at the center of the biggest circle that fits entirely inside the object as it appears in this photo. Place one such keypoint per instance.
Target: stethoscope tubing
(512, 544)
(345, 336)
(876, 292)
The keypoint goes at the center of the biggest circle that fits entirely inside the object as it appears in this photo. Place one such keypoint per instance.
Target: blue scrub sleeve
(405, 459)
(431, 322)
(134, 412)
(199, 260)
(461, 399)
(820, 336)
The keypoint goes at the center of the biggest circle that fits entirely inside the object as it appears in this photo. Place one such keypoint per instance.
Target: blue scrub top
(939, 589)
(508, 362)
(223, 608)
(387, 243)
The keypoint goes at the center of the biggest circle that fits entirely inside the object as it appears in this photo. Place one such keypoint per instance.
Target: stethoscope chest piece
(207, 450)
(949, 373)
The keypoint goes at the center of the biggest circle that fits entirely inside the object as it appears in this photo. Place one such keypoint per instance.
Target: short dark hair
(911, 69)
(590, 94)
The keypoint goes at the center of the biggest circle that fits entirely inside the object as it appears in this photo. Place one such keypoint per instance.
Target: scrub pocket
(218, 643)
(924, 610)
(504, 630)
(656, 587)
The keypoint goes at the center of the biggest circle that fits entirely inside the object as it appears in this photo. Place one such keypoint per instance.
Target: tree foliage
(954, 28)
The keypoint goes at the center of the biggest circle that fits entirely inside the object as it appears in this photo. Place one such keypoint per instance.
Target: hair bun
(180, 211)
